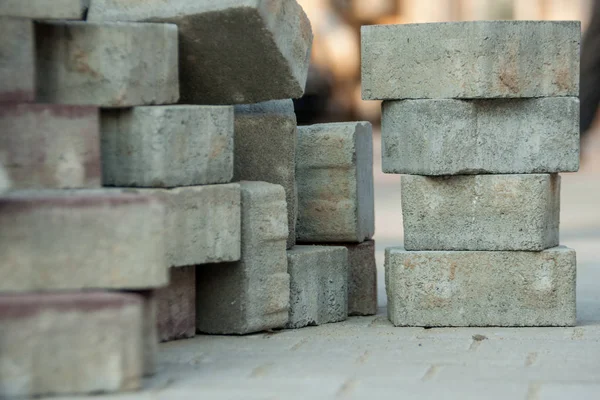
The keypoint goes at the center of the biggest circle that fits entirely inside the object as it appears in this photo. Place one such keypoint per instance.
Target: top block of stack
(470, 60)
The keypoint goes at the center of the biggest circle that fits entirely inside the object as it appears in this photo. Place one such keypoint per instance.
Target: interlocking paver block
(482, 59)
(17, 66)
(334, 173)
(258, 50)
(481, 288)
(457, 137)
(362, 278)
(50, 145)
(107, 64)
(177, 305)
(81, 239)
(43, 9)
(265, 150)
(481, 212)
(167, 146)
(253, 294)
(70, 343)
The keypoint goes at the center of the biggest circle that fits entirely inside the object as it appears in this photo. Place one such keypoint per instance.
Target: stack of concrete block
(483, 120)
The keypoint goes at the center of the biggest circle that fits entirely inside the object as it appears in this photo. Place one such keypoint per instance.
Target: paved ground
(368, 358)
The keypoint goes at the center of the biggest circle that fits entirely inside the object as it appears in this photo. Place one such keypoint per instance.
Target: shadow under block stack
(483, 121)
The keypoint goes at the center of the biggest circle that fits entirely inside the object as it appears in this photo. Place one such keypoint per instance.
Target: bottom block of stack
(177, 305)
(481, 288)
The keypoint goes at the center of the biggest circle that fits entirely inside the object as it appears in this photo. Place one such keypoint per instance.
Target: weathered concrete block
(362, 278)
(177, 305)
(457, 137)
(167, 146)
(265, 150)
(17, 69)
(149, 329)
(481, 212)
(106, 64)
(202, 223)
(50, 145)
(43, 9)
(334, 173)
(258, 50)
(253, 294)
(482, 59)
(83, 239)
(318, 285)
(70, 343)
(481, 288)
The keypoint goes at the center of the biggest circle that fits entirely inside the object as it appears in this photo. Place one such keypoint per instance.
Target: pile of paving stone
(155, 184)
(481, 116)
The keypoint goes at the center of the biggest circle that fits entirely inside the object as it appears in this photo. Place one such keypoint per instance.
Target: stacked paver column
(481, 116)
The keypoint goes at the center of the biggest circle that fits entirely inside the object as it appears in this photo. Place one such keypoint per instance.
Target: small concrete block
(334, 173)
(481, 288)
(51, 146)
(150, 329)
(70, 343)
(107, 64)
(481, 212)
(43, 9)
(177, 305)
(318, 285)
(17, 63)
(81, 239)
(258, 50)
(458, 137)
(253, 294)
(482, 59)
(265, 150)
(362, 278)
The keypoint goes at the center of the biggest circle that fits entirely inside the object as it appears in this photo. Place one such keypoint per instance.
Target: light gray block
(481, 212)
(457, 137)
(70, 343)
(253, 294)
(50, 145)
(167, 146)
(481, 288)
(43, 9)
(482, 59)
(258, 50)
(17, 65)
(318, 285)
(81, 239)
(265, 150)
(334, 173)
(107, 64)
(362, 278)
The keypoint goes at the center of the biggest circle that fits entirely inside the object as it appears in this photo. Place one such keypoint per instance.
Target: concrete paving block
(17, 68)
(70, 343)
(107, 64)
(481, 288)
(481, 212)
(334, 173)
(318, 285)
(265, 150)
(258, 50)
(482, 59)
(458, 137)
(253, 294)
(150, 329)
(50, 145)
(177, 305)
(362, 278)
(81, 239)
(43, 9)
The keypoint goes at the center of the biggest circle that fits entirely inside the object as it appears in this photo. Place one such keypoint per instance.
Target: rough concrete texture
(253, 294)
(70, 343)
(106, 64)
(167, 146)
(177, 305)
(81, 239)
(482, 59)
(318, 285)
(481, 288)
(334, 173)
(265, 150)
(43, 9)
(362, 278)
(202, 223)
(150, 329)
(17, 68)
(457, 137)
(50, 145)
(481, 212)
(259, 49)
